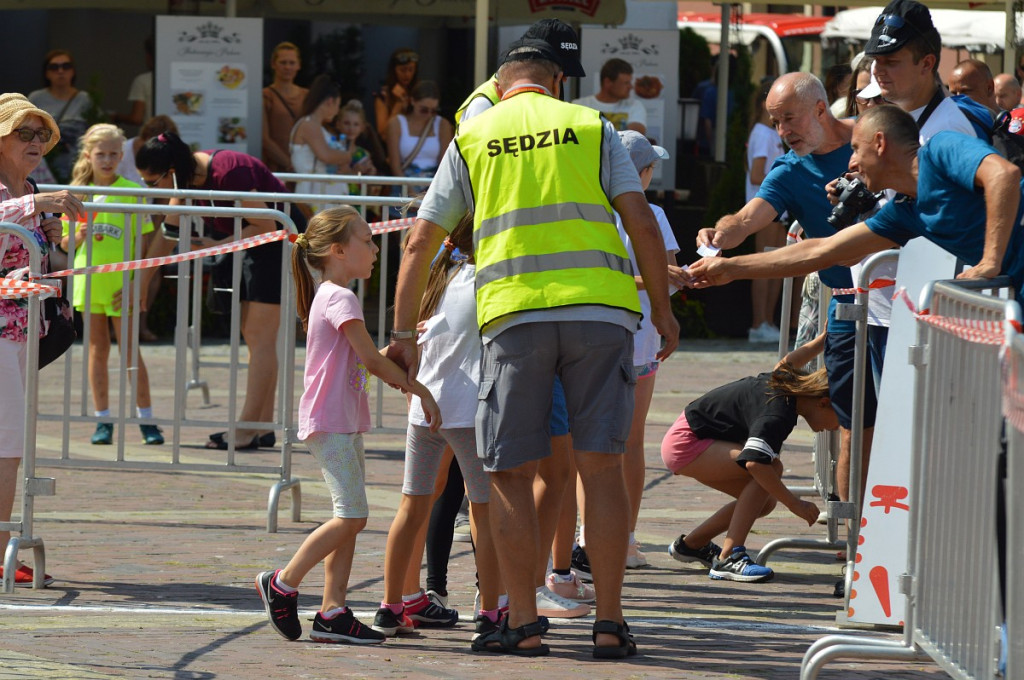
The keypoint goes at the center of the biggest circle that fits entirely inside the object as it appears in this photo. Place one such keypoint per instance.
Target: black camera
(854, 200)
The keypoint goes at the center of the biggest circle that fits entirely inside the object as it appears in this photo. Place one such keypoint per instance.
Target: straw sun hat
(15, 108)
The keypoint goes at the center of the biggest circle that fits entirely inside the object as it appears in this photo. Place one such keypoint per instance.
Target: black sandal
(506, 640)
(619, 630)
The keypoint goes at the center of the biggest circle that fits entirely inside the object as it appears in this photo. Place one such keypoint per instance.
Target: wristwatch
(403, 335)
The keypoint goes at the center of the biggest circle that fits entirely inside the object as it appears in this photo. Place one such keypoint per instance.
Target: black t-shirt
(745, 412)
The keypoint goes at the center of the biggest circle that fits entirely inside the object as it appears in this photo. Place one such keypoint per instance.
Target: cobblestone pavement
(154, 570)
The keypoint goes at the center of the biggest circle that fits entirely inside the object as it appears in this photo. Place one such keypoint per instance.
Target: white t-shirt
(647, 341)
(126, 168)
(764, 142)
(142, 91)
(450, 360)
(620, 113)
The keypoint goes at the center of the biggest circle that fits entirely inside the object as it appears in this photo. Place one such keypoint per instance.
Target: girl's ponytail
(460, 239)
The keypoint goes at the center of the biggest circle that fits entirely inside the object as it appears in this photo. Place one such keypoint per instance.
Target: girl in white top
(333, 414)
(450, 368)
(312, 146)
(407, 157)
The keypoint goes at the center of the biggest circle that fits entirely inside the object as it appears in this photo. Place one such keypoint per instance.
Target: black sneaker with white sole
(391, 624)
(282, 608)
(580, 563)
(705, 555)
(344, 628)
(433, 616)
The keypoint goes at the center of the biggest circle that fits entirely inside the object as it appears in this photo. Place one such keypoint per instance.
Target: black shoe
(580, 563)
(433, 615)
(391, 624)
(484, 626)
(739, 567)
(282, 608)
(706, 555)
(344, 627)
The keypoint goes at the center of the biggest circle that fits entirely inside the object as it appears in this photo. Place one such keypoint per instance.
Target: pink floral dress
(14, 255)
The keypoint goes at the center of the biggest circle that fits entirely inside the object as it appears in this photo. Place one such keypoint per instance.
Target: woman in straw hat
(27, 133)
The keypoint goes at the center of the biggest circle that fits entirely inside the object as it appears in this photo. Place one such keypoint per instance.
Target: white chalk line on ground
(677, 621)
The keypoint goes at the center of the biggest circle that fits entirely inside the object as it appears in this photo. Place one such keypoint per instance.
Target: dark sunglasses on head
(28, 134)
(60, 66)
(890, 20)
(406, 57)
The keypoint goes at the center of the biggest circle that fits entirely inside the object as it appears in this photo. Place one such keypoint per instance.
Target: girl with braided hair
(730, 440)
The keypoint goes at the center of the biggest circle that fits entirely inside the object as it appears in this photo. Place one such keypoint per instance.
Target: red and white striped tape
(874, 285)
(15, 289)
(978, 331)
(234, 246)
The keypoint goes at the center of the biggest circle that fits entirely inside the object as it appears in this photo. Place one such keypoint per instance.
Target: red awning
(784, 25)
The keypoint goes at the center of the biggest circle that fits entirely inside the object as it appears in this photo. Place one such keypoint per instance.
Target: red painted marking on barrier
(853, 593)
(863, 522)
(880, 581)
(889, 497)
(856, 575)
(857, 559)
(849, 613)
(860, 540)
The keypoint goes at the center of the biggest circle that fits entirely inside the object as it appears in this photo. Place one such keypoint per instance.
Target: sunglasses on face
(153, 182)
(60, 66)
(406, 57)
(426, 110)
(28, 134)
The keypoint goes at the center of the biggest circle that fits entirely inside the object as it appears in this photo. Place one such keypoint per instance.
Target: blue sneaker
(151, 435)
(739, 567)
(104, 434)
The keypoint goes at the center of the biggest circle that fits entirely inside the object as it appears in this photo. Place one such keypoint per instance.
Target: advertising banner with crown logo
(208, 80)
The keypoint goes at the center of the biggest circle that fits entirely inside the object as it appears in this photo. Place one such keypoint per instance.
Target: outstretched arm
(850, 244)
(731, 230)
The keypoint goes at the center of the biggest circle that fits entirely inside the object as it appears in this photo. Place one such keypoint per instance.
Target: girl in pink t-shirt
(333, 414)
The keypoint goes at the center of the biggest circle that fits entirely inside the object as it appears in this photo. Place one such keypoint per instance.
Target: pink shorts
(681, 446)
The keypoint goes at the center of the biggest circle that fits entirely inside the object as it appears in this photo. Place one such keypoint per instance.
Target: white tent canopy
(972, 30)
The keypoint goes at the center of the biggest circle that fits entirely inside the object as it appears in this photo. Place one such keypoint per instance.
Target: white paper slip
(435, 325)
(708, 251)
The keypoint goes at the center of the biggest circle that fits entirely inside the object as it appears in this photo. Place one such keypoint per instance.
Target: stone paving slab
(155, 569)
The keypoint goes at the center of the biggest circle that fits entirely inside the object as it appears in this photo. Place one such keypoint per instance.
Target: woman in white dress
(314, 150)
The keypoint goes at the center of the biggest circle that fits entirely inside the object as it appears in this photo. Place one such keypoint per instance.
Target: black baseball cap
(563, 39)
(900, 22)
(526, 49)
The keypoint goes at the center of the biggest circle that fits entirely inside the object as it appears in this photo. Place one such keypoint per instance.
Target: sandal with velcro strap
(506, 640)
(627, 646)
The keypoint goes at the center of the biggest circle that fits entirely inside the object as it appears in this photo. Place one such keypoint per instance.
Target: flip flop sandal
(619, 630)
(506, 640)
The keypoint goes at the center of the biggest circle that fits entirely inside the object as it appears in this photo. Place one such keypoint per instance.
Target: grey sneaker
(706, 555)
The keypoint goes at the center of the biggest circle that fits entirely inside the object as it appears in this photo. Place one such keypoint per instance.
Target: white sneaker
(440, 600)
(572, 589)
(765, 333)
(634, 558)
(555, 606)
(462, 532)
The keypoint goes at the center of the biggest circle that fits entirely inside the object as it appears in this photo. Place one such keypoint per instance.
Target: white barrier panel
(951, 609)
(1013, 408)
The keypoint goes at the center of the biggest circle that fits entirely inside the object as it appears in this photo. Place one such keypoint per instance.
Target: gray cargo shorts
(595, 363)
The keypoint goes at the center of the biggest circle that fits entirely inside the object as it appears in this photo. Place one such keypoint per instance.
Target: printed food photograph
(230, 78)
(188, 103)
(647, 87)
(231, 130)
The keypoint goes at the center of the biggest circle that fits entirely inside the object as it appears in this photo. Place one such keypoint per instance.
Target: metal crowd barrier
(362, 203)
(32, 486)
(1013, 408)
(179, 418)
(952, 613)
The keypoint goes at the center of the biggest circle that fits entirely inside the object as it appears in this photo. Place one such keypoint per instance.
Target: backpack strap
(932, 105)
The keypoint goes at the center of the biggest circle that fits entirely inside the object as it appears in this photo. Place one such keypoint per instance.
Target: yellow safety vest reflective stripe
(543, 229)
